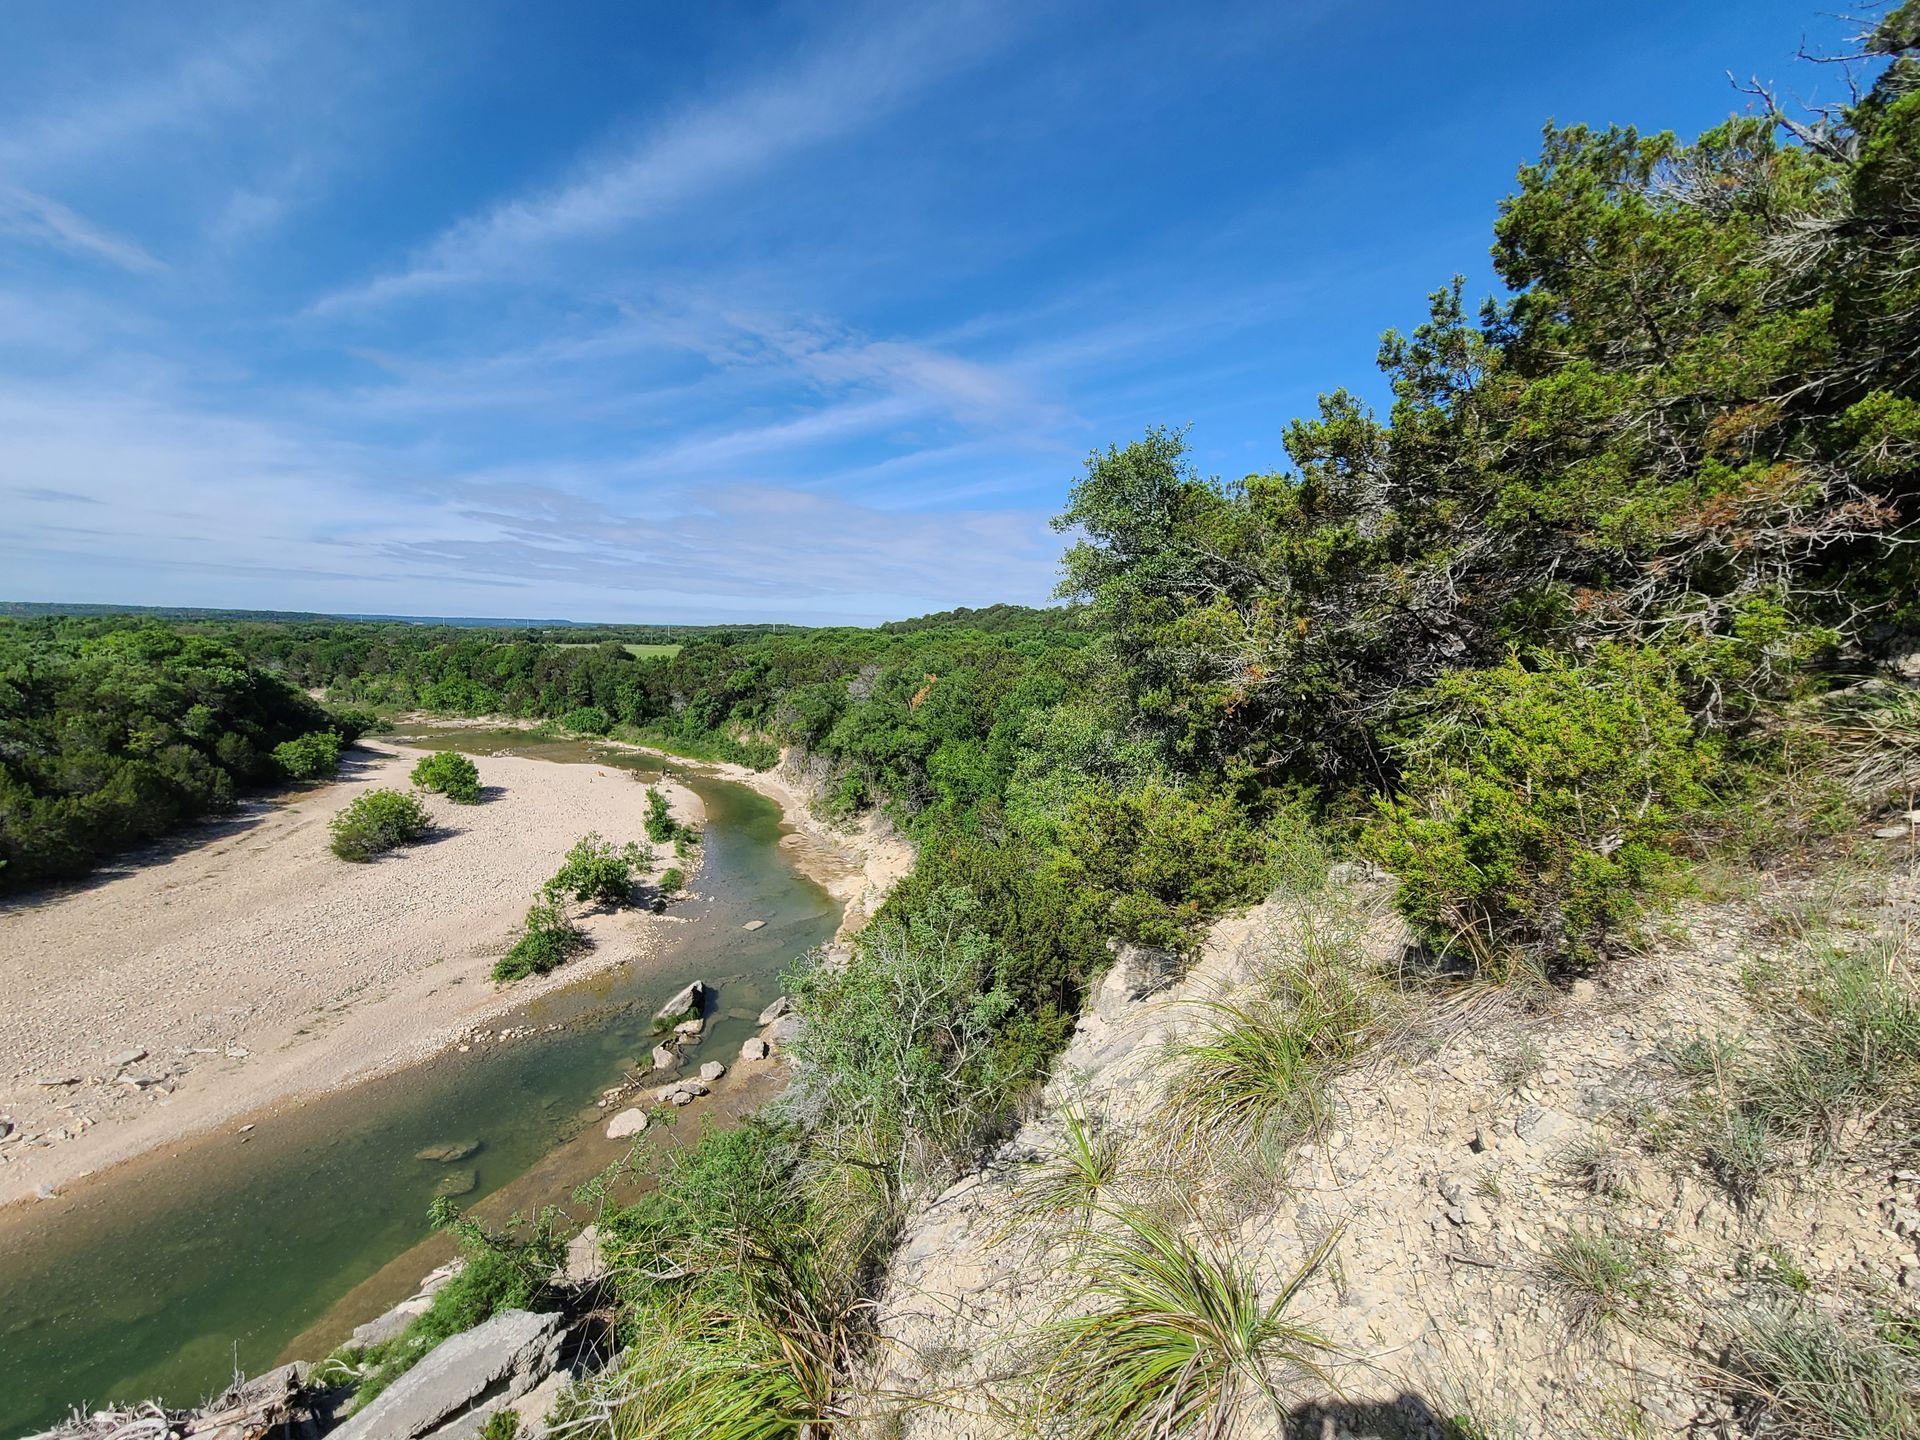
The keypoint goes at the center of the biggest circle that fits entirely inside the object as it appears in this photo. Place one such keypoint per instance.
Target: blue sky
(728, 311)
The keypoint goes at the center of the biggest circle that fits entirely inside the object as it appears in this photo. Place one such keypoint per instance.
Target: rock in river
(457, 1182)
(689, 1004)
(627, 1122)
(448, 1153)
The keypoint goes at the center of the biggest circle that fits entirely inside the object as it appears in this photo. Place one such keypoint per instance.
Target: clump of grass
(1795, 1372)
(1601, 1275)
(1072, 1179)
(1176, 1341)
(1261, 1066)
(1598, 1167)
(1844, 1049)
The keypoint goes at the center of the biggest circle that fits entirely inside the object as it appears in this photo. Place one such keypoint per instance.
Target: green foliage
(1539, 807)
(503, 1270)
(587, 720)
(902, 1058)
(1173, 1342)
(672, 881)
(661, 826)
(378, 821)
(114, 732)
(313, 756)
(598, 872)
(1163, 861)
(451, 774)
(547, 938)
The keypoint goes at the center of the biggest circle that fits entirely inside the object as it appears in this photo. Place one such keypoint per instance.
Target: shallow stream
(168, 1274)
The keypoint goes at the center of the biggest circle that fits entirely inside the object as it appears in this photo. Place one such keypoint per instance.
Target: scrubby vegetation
(547, 937)
(598, 872)
(313, 756)
(449, 773)
(500, 1270)
(113, 732)
(376, 822)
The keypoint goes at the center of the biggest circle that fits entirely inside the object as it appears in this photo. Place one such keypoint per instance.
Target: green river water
(164, 1276)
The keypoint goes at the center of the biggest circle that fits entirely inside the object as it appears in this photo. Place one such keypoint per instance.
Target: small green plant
(686, 840)
(378, 821)
(546, 940)
(1598, 1167)
(1175, 1341)
(313, 756)
(661, 826)
(451, 774)
(672, 882)
(598, 872)
(501, 1425)
(587, 720)
(1602, 1275)
(1072, 1179)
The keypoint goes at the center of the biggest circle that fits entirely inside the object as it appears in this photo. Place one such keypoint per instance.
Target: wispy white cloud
(850, 80)
(46, 221)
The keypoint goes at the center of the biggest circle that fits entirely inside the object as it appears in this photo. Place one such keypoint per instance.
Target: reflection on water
(172, 1271)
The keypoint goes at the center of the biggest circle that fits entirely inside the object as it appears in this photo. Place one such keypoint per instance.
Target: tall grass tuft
(1071, 1181)
(1795, 1372)
(1176, 1343)
(1261, 1066)
(1600, 1275)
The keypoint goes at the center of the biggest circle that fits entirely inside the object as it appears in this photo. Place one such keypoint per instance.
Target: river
(171, 1272)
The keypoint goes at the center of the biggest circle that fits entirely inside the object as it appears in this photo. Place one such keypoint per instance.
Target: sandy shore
(245, 965)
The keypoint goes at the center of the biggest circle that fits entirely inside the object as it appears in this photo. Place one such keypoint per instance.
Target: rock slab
(494, 1362)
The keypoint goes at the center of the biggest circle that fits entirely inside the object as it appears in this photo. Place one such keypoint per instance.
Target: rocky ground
(1473, 1164)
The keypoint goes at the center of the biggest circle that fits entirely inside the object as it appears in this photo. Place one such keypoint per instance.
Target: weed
(1601, 1275)
(1177, 1342)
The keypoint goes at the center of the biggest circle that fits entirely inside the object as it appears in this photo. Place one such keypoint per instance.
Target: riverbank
(858, 863)
(243, 966)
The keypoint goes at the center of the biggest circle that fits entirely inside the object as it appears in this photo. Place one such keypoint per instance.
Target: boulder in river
(627, 1122)
(712, 1071)
(783, 1030)
(754, 1049)
(457, 1182)
(490, 1365)
(689, 1004)
(774, 1011)
(448, 1153)
(665, 1057)
(753, 925)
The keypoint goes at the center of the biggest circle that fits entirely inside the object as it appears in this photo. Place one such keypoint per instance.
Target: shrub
(1176, 1342)
(376, 822)
(451, 774)
(1537, 806)
(673, 882)
(587, 720)
(598, 871)
(1163, 861)
(313, 756)
(351, 722)
(661, 826)
(548, 938)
